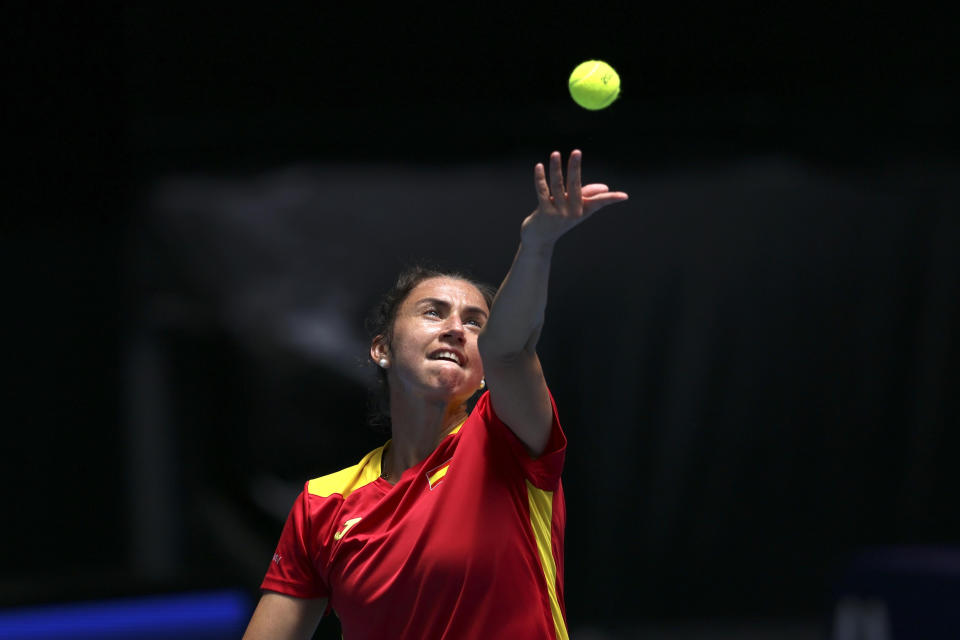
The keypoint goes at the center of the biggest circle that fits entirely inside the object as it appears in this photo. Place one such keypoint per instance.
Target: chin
(456, 386)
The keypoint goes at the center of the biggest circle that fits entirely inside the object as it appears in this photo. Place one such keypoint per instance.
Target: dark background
(755, 358)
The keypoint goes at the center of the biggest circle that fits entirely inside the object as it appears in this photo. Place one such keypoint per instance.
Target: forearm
(520, 305)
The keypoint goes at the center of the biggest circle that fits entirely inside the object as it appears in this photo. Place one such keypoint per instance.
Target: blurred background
(755, 358)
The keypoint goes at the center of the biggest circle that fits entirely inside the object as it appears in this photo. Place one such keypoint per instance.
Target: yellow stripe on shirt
(541, 518)
(348, 480)
(435, 477)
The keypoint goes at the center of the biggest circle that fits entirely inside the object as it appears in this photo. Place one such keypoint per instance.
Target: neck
(418, 427)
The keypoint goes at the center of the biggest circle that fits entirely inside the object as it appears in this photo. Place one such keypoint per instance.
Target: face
(434, 347)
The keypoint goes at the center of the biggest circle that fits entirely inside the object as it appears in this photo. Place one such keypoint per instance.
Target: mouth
(449, 355)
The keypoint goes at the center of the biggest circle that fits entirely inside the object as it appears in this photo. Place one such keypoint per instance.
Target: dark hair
(381, 321)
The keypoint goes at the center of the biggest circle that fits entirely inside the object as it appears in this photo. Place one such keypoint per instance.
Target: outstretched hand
(561, 206)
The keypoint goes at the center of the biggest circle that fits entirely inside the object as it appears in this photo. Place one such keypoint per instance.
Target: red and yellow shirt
(468, 544)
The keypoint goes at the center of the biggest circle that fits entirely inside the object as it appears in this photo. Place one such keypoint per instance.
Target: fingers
(556, 177)
(553, 190)
(596, 188)
(597, 202)
(573, 177)
(540, 183)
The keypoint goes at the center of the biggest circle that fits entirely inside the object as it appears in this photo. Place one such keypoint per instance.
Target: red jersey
(468, 544)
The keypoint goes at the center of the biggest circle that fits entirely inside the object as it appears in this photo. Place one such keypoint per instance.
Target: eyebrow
(443, 303)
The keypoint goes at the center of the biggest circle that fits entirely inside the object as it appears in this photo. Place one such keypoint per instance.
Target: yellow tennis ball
(594, 85)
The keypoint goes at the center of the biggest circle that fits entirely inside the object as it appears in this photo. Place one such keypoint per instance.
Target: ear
(378, 349)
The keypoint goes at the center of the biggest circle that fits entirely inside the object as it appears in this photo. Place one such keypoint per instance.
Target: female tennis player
(454, 527)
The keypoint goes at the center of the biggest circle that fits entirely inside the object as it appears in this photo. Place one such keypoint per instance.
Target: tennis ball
(594, 85)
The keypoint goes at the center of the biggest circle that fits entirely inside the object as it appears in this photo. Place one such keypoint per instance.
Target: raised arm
(509, 339)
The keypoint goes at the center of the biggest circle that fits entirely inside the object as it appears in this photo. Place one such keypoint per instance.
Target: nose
(454, 328)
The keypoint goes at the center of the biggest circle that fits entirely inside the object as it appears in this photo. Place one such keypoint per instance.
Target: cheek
(474, 355)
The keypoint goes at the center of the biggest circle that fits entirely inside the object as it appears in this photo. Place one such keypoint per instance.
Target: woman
(454, 528)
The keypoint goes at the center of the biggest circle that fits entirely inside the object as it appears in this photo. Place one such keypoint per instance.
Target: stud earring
(483, 382)
(383, 363)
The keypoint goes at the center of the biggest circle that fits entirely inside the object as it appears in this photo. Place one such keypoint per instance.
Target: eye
(432, 312)
(475, 322)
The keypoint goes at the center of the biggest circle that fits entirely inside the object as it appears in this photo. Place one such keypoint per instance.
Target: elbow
(494, 349)
(488, 348)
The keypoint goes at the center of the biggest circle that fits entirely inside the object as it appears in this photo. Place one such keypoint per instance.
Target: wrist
(536, 247)
(534, 241)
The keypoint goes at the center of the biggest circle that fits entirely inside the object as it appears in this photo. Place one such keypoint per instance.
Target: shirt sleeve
(544, 470)
(293, 570)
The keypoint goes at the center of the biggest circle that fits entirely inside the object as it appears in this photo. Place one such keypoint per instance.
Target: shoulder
(315, 512)
(542, 470)
(344, 482)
